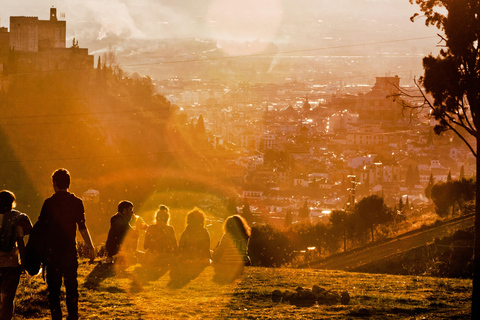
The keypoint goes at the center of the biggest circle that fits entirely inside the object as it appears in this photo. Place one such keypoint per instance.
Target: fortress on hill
(39, 45)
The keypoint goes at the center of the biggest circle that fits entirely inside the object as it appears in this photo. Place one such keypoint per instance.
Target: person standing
(13, 227)
(60, 215)
(119, 227)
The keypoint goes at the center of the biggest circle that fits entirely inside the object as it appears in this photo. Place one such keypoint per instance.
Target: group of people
(56, 228)
(161, 249)
(63, 213)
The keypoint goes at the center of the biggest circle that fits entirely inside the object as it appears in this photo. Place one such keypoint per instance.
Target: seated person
(160, 241)
(231, 254)
(119, 227)
(194, 245)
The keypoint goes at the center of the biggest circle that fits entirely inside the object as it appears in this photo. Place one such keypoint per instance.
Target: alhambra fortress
(39, 45)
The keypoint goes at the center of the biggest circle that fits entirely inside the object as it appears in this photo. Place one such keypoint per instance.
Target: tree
(246, 213)
(306, 105)
(99, 63)
(416, 176)
(270, 156)
(305, 234)
(442, 197)
(449, 177)
(304, 212)
(430, 138)
(409, 181)
(231, 207)
(269, 247)
(463, 191)
(428, 188)
(200, 128)
(400, 205)
(462, 173)
(452, 194)
(453, 80)
(288, 218)
(372, 211)
(75, 44)
(338, 220)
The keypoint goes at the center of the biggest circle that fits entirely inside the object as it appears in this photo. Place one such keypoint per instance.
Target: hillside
(137, 293)
(90, 122)
(372, 254)
(113, 133)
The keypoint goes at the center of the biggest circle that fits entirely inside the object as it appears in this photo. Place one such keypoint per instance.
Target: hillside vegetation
(139, 293)
(114, 133)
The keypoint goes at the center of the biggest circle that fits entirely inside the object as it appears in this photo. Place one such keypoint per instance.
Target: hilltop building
(375, 106)
(39, 45)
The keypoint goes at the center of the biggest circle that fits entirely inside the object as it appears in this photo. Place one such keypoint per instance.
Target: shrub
(269, 247)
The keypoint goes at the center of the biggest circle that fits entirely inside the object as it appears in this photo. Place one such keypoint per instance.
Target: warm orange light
(244, 27)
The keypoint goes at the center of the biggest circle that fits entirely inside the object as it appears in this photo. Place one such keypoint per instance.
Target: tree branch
(463, 139)
(448, 124)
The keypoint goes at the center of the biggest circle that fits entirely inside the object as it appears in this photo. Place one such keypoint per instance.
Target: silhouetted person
(160, 241)
(60, 216)
(194, 245)
(13, 227)
(231, 254)
(119, 227)
(194, 250)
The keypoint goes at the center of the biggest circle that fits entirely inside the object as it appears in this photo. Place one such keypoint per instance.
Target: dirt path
(395, 246)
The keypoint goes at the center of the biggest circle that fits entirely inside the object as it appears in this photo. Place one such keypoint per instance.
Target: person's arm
(147, 241)
(24, 227)
(43, 213)
(219, 249)
(174, 239)
(82, 228)
(181, 243)
(88, 241)
(206, 241)
(21, 245)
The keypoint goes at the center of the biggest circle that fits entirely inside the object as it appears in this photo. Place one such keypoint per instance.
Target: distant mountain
(143, 32)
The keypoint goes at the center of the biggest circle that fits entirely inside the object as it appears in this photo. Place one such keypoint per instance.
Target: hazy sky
(250, 20)
(138, 25)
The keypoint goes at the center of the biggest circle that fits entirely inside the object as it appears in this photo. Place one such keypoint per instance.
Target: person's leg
(54, 283)
(71, 288)
(9, 278)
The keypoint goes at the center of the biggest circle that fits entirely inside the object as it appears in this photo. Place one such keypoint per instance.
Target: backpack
(35, 250)
(8, 231)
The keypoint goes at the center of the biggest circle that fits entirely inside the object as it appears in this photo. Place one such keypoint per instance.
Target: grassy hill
(138, 293)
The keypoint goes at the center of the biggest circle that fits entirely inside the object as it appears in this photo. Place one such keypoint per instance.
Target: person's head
(126, 208)
(7, 201)
(237, 226)
(162, 215)
(61, 179)
(196, 218)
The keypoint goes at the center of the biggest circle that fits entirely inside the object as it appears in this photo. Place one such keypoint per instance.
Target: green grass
(137, 293)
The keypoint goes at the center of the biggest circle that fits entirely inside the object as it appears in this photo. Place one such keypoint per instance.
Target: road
(398, 245)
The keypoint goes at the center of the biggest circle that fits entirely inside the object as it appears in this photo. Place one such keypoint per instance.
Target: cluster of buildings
(285, 145)
(298, 143)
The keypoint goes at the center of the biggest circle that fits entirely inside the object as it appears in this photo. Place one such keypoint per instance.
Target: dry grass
(137, 293)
